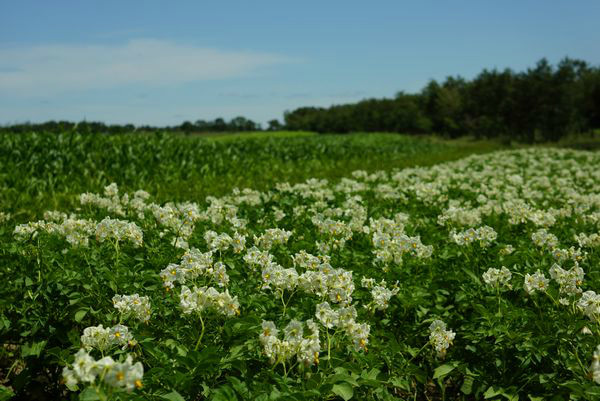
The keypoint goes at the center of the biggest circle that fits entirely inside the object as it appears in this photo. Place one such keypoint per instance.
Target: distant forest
(238, 124)
(543, 103)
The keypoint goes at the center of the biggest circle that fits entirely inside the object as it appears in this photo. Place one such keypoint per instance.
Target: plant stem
(498, 296)
(552, 298)
(283, 302)
(418, 352)
(328, 348)
(117, 253)
(293, 366)
(585, 371)
(201, 334)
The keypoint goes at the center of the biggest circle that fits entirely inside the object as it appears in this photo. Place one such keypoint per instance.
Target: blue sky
(163, 62)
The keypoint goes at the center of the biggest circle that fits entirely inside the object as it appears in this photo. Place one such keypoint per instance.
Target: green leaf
(344, 390)
(492, 392)
(34, 349)
(443, 370)
(89, 394)
(80, 315)
(371, 375)
(401, 383)
(467, 386)
(173, 396)
(224, 393)
(472, 275)
(6, 393)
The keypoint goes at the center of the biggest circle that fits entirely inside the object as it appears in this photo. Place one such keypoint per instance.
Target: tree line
(543, 103)
(237, 124)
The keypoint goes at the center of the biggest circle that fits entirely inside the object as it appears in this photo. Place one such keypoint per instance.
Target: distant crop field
(285, 266)
(259, 135)
(40, 171)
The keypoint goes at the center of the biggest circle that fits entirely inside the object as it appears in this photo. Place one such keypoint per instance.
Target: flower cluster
(4, 217)
(574, 254)
(589, 303)
(75, 231)
(192, 265)
(217, 242)
(110, 201)
(344, 318)
(208, 298)
(119, 230)
(506, 250)
(380, 293)
(104, 339)
(390, 247)
(497, 278)
(279, 278)
(461, 216)
(536, 282)
(133, 305)
(568, 280)
(305, 260)
(595, 368)
(485, 235)
(272, 237)
(220, 210)
(178, 219)
(294, 343)
(336, 284)
(335, 233)
(86, 370)
(544, 239)
(440, 338)
(589, 241)
(257, 258)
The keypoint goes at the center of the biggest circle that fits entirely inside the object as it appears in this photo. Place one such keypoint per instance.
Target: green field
(295, 266)
(45, 171)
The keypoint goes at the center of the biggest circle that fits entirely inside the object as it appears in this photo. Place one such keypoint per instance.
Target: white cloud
(51, 69)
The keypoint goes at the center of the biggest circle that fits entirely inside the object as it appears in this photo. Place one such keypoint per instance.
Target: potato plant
(473, 279)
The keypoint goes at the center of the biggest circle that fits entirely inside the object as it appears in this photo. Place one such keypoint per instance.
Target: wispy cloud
(51, 69)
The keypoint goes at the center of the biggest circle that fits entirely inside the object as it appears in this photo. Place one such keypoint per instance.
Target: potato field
(297, 267)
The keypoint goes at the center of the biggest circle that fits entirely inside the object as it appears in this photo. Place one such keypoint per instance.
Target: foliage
(544, 103)
(237, 124)
(413, 283)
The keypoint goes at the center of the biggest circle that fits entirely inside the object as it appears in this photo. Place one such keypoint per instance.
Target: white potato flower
(536, 282)
(497, 277)
(440, 338)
